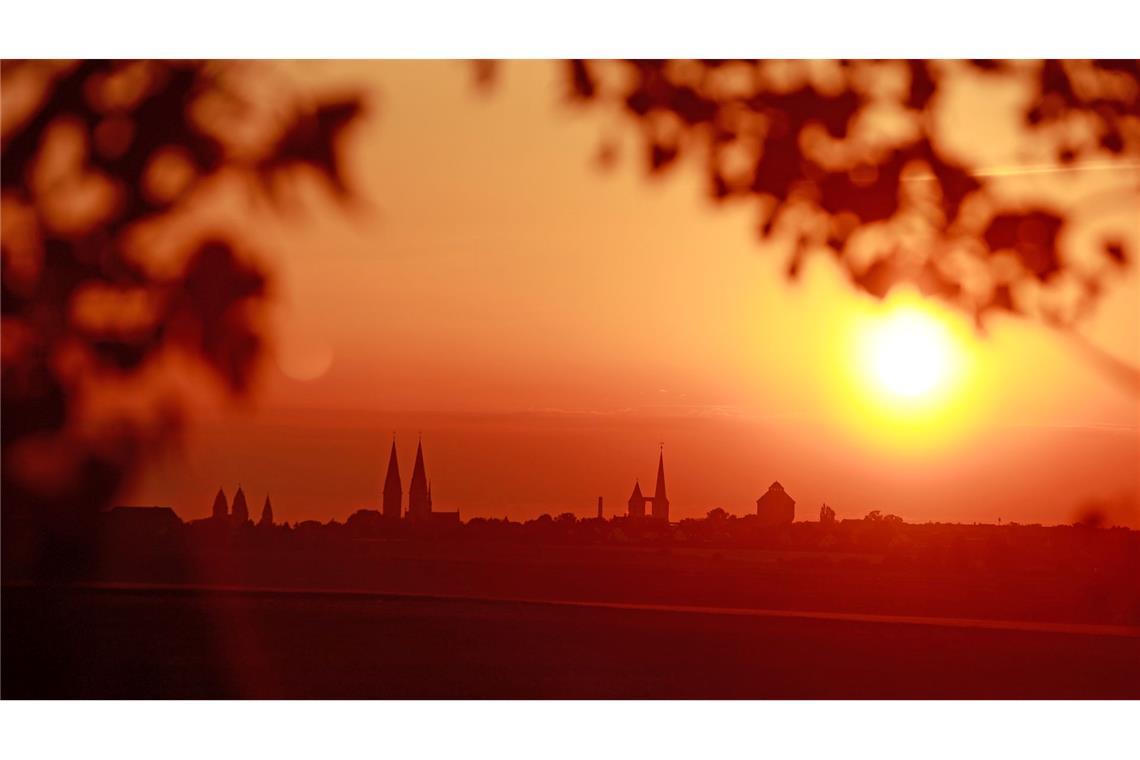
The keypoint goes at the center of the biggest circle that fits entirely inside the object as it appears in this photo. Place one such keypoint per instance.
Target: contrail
(1013, 171)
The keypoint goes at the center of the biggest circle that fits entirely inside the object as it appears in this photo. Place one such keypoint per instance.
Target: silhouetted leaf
(1115, 251)
(486, 73)
(922, 84)
(986, 64)
(581, 81)
(311, 140)
(661, 156)
(1032, 236)
(878, 278)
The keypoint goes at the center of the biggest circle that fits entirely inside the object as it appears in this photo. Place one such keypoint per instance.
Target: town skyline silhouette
(775, 506)
(778, 506)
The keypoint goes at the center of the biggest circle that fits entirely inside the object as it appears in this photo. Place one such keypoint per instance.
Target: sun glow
(909, 385)
(909, 354)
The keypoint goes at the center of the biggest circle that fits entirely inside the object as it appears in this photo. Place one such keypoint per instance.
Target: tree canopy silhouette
(97, 156)
(849, 159)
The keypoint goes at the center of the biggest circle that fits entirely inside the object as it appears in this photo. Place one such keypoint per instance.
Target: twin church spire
(419, 491)
(238, 514)
(393, 491)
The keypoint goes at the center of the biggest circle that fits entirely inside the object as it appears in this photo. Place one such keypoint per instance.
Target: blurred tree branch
(849, 160)
(94, 154)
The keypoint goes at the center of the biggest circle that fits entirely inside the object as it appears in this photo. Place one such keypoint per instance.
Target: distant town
(409, 516)
(645, 514)
(773, 508)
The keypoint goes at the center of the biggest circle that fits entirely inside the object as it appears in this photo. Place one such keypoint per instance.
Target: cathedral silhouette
(419, 491)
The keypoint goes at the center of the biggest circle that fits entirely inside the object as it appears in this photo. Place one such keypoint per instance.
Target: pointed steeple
(221, 509)
(393, 490)
(419, 472)
(240, 512)
(660, 500)
(266, 520)
(659, 490)
(419, 502)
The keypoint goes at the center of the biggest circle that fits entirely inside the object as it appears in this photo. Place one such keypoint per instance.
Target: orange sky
(546, 324)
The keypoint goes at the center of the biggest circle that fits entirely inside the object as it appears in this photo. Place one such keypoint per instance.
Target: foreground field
(136, 643)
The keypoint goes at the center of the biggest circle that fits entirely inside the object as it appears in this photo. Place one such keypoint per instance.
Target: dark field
(189, 644)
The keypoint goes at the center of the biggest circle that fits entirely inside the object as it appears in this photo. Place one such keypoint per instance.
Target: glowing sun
(910, 381)
(910, 353)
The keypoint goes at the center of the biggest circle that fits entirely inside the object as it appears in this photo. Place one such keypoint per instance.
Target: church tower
(239, 513)
(266, 520)
(660, 500)
(637, 501)
(393, 493)
(221, 510)
(419, 497)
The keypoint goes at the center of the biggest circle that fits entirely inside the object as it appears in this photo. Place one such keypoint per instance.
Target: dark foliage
(99, 156)
(805, 141)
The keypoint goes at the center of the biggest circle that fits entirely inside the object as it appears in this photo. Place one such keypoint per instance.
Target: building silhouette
(636, 501)
(239, 512)
(129, 525)
(419, 493)
(266, 520)
(776, 507)
(393, 492)
(236, 515)
(221, 509)
(659, 502)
